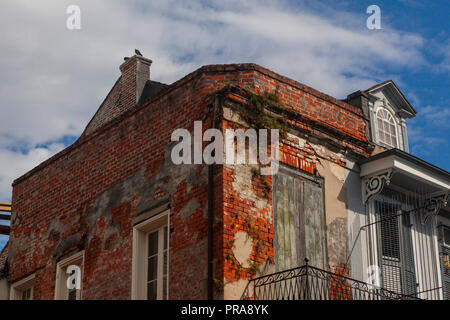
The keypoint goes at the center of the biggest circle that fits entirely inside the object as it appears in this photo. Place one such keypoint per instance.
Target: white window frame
(396, 127)
(61, 290)
(140, 255)
(20, 286)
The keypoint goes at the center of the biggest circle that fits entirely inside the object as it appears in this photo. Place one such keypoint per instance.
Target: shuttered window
(445, 261)
(299, 221)
(395, 247)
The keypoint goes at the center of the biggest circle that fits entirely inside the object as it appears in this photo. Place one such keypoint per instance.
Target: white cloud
(54, 79)
(435, 116)
(444, 51)
(15, 164)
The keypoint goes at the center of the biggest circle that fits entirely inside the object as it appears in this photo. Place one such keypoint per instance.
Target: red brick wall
(86, 195)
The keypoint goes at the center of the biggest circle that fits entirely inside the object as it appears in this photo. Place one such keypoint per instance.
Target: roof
(111, 107)
(151, 88)
(409, 157)
(398, 96)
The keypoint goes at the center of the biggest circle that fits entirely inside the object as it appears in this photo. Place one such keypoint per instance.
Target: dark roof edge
(397, 88)
(409, 157)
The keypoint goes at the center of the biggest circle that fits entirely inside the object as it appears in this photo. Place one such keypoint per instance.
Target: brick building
(114, 209)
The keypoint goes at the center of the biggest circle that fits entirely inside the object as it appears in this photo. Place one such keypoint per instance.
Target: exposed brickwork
(3, 261)
(86, 196)
(110, 108)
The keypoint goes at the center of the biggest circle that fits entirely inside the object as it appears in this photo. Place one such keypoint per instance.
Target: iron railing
(310, 283)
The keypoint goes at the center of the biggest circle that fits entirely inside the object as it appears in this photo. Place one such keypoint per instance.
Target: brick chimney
(125, 93)
(135, 73)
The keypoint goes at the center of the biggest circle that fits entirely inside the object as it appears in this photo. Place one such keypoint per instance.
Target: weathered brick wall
(248, 199)
(86, 195)
(110, 108)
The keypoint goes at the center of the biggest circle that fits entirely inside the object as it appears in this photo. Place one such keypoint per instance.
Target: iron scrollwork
(432, 206)
(375, 184)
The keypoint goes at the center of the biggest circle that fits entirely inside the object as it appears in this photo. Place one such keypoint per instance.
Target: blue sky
(53, 79)
(427, 86)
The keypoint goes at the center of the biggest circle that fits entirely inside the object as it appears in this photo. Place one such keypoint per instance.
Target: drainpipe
(211, 212)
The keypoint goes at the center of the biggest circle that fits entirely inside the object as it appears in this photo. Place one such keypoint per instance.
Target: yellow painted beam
(5, 206)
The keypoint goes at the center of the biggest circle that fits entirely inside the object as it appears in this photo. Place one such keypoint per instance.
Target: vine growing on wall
(257, 115)
(259, 249)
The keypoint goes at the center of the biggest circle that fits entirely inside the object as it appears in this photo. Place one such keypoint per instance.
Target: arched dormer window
(387, 132)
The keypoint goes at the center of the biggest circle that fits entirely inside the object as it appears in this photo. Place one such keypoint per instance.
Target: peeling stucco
(243, 185)
(243, 246)
(336, 211)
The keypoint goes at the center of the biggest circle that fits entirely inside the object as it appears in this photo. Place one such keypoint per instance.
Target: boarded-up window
(314, 223)
(298, 221)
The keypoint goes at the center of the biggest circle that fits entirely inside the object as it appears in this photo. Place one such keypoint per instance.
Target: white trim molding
(398, 164)
(140, 259)
(18, 287)
(377, 171)
(61, 287)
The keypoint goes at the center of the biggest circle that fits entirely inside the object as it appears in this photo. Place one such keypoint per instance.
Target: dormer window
(386, 109)
(387, 133)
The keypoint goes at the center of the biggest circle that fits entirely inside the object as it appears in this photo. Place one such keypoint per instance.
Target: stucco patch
(242, 249)
(234, 290)
(300, 141)
(322, 151)
(338, 171)
(337, 242)
(243, 185)
(189, 208)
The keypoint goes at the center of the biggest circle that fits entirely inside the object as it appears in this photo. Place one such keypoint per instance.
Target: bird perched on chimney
(137, 52)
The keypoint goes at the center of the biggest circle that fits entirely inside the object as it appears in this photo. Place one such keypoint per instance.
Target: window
(151, 258)
(446, 235)
(395, 242)
(69, 276)
(387, 132)
(445, 261)
(23, 289)
(445, 269)
(299, 221)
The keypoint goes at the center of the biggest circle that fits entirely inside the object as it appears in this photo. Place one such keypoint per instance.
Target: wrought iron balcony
(310, 283)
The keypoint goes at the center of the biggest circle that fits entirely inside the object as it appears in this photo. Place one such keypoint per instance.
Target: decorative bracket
(432, 206)
(374, 184)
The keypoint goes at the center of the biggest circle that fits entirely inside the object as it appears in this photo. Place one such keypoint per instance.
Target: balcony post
(307, 280)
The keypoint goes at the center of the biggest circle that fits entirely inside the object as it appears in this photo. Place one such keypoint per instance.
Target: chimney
(135, 73)
(125, 93)
(361, 99)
